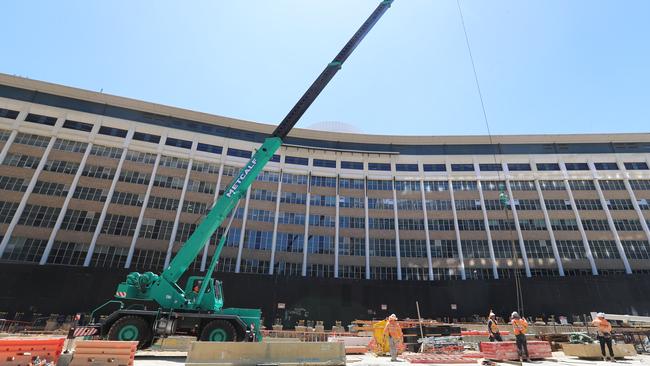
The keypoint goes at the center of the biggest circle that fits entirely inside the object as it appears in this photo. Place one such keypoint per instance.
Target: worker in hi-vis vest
(493, 328)
(520, 327)
(395, 336)
(604, 335)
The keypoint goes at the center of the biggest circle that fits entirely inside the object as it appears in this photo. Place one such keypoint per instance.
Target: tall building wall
(101, 181)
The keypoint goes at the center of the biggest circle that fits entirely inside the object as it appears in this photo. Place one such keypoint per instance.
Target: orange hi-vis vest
(393, 330)
(520, 326)
(603, 326)
(494, 328)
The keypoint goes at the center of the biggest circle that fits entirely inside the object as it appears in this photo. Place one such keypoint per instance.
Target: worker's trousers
(606, 341)
(392, 343)
(522, 345)
(496, 337)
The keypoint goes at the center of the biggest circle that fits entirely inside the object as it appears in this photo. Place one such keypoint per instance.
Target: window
(324, 163)
(383, 273)
(522, 185)
(149, 259)
(126, 198)
(606, 166)
(595, 225)
(289, 242)
(348, 222)
(501, 225)
(40, 119)
(413, 248)
(407, 186)
(570, 249)
(551, 185)
(636, 166)
(21, 161)
(379, 166)
(156, 229)
(79, 126)
(288, 269)
(436, 186)
(24, 250)
(628, 225)
(380, 185)
(173, 162)
(112, 131)
(105, 151)
(380, 223)
(258, 240)
(349, 183)
(636, 249)
(414, 273)
(548, 166)
(493, 185)
(69, 146)
(620, 204)
(289, 178)
(184, 144)
(320, 270)
(444, 249)
(352, 272)
(50, 189)
(119, 225)
(109, 257)
(468, 205)
(528, 205)
(612, 185)
(576, 166)
(68, 253)
(185, 230)
(4, 134)
(293, 198)
(406, 167)
(201, 186)
(168, 182)
(564, 224)
(324, 201)
(476, 249)
(291, 218)
(438, 205)
(464, 185)
(130, 176)
(195, 207)
(100, 172)
(12, 184)
(43, 216)
(518, 167)
(31, 140)
(319, 244)
(640, 185)
(556, 205)
(323, 181)
(351, 202)
(76, 220)
(381, 247)
(410, 205)
(604, 249)
(587, 204)
(209, 148)
(355, 165)
(529, 225)
(8, 113)
(494, 205)
(471, 225)
(410, 224)
(141, 157)
(295, 160)
(239, 153)
(582, 185)
(352, 246)
(255, 214)
(163, 203)
(441, 224)
(263, 195)
(59, 166)
(462, 167)
(146, 137)
(490, 167)
(506, 249)
(7, 211)
(434, 167)
(267, 176)
(380, 203)
(205, 167)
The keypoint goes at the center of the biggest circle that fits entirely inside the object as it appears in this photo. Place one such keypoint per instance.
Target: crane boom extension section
(164, 291)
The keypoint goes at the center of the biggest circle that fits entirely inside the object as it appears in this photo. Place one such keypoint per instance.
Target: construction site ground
(152, 358)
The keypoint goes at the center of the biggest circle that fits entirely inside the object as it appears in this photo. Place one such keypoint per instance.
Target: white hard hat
(514, 314)
(491, 314)
(600, 315)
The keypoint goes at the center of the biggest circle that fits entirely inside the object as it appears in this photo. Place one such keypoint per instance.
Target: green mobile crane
(153, 306)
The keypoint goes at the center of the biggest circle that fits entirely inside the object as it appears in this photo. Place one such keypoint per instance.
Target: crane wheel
(219, 330)
(131, 328)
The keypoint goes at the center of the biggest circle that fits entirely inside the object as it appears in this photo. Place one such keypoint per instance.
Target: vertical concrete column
(461, 258)
(336, 230)
(204, 259)
(398, 255)
(305, 246)
(610, 220)
(549, 228)
(276, 219)
(581, 229)
(486, 223)
(68, 198)
(170, 246)
(242, 236)
(145, 202)
(515, 217)
(28, 192)
(367, 226)
(109, 197)
(426, 228)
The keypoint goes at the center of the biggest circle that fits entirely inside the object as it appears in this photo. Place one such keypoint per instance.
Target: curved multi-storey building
(98, 181)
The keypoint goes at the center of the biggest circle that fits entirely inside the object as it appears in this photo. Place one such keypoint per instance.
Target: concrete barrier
(245, 354)
(592, 350)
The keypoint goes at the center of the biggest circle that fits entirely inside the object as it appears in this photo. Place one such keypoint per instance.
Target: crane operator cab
(212, 298)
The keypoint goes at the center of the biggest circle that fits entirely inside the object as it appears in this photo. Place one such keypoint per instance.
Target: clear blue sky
(545, 66)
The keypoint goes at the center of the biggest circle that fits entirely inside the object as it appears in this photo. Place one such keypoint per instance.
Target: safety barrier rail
(22, 351)
(100, 353)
